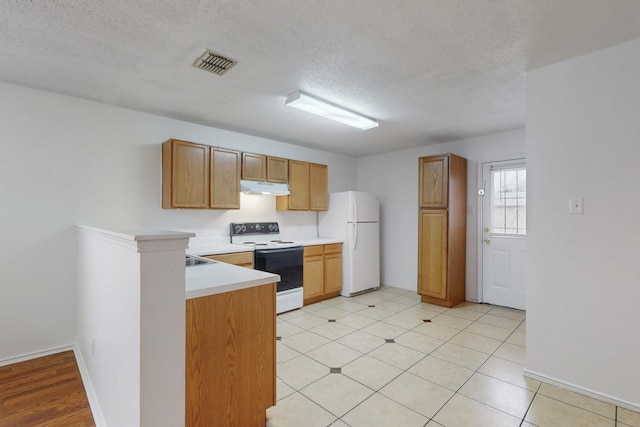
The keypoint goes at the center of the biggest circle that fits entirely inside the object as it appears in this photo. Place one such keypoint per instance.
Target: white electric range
(274, 255)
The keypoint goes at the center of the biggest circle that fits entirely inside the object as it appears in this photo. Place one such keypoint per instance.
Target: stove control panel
(254, 228)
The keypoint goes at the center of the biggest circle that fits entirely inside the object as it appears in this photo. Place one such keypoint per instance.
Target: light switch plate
(575, 205)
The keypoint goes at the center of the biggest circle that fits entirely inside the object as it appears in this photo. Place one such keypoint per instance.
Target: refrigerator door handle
(352, 199)
(355, 236)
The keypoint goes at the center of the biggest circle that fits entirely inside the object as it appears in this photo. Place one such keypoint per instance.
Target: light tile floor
(372, 360)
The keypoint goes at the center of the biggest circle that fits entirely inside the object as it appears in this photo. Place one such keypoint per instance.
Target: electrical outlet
(575, 205)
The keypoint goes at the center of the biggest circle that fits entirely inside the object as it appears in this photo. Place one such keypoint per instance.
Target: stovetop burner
(259, 234)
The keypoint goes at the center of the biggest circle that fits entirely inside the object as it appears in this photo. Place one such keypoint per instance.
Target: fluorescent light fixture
(321, 108)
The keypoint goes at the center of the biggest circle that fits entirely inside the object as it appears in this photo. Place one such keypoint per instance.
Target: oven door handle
(295, 249)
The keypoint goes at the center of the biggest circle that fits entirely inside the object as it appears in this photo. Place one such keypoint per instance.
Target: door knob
(487, 241)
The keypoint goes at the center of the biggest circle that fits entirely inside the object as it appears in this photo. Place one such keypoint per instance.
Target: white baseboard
(30, 356)
(84, 374)
(96, 410)
(572, 387)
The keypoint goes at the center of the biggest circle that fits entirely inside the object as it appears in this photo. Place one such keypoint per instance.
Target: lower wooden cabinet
(432, 254)
(242, 259)
(322, 274)
(231, 358)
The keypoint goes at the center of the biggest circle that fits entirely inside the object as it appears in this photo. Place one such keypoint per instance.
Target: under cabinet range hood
(259, 187)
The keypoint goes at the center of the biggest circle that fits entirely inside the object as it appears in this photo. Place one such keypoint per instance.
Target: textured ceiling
(428, 70)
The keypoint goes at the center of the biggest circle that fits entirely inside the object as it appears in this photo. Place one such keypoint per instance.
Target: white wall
(67, 161)
(394, 176)
(583, 286)
(131, 325)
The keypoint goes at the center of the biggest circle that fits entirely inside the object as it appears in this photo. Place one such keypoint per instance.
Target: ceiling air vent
(214, 62)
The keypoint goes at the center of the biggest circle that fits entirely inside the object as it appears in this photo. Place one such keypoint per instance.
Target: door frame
(480, 210)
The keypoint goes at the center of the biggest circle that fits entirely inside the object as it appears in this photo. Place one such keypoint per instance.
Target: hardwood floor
(46, 391)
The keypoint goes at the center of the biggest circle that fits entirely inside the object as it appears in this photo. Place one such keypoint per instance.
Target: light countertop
(226, 248)
(219, 277)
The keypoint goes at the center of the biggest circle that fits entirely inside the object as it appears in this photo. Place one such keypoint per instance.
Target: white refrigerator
(353, 217)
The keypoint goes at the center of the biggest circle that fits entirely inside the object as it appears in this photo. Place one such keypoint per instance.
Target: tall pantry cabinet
(442, 229)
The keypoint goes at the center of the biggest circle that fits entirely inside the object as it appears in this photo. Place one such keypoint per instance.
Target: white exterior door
(504, 218)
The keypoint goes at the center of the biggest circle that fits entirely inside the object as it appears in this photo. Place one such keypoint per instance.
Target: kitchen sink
(192, 260)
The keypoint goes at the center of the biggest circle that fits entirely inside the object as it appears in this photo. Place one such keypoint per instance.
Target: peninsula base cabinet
(442, 229)
(231, 358)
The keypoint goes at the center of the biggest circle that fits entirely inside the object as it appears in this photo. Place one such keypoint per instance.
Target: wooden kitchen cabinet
(185, 175)
(442, 229)
(318, 187)
(298, 198)
(313, 273)
(224, 179)
(231, 358)
(242, 259)
(277, 169)
(258, 167)
(254, 167)
(332, 269)
(322, 272)
(434, 182)
(308, 187)
(196, 176)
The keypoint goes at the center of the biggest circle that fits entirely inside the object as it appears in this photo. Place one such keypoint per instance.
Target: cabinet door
(254, 167)
(241, 259)
(313, 272)
(434, 182)
(185, 175)
(225, 179)
(318, 187)
(333, 268)
(298, 185)
(277, 169)
(230, 357)
(432, 253)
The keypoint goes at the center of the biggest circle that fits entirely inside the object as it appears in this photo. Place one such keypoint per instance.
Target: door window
(509, 201)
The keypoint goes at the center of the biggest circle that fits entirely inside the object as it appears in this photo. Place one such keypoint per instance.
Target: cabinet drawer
(313, 250)
(244, 259)
(333, 248)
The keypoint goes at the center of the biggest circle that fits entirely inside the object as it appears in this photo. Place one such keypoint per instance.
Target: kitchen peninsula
(135, 323)
(230, 345)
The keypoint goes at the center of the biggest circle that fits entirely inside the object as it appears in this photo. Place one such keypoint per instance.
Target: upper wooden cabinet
(225, 179)
(318, 187)
(442, 229)
(196, 176)
(185, 175)
(258, 167)
(254, 167)
(298, 198)
(434, 182)
(308, 187)
(277, 169)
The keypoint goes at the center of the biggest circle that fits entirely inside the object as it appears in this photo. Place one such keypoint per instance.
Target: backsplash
(255, 208)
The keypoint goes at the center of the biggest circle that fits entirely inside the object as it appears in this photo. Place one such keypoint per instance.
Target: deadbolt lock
(487, 241)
